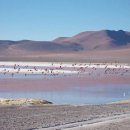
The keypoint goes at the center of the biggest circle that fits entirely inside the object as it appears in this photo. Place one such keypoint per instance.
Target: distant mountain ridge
(82, 42)
(104, 39)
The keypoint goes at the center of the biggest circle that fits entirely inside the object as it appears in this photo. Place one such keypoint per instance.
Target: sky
(49, 19)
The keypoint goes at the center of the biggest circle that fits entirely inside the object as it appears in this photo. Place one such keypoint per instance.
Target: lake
(72, 85)
(77, 95)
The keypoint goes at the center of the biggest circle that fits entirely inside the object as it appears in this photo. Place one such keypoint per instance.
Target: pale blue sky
(48, 19)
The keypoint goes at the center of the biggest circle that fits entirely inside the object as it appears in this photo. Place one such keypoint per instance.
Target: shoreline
(104, 122)
(65, 117)
(89, 124)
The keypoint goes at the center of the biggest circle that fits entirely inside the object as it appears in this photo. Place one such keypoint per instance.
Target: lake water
(77, 95)
(68, 92)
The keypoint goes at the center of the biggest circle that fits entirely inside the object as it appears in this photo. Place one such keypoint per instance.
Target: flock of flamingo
(63, 69)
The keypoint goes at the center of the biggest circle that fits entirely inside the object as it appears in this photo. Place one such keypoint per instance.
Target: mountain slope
(83, 42)
(100, 40)
(28, 46)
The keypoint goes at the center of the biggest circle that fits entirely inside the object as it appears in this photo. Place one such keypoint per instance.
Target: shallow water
(77, 95)
(67, 92)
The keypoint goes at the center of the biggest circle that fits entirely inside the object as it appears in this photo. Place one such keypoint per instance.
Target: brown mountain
(99, 40)
(37, 46)
(85, 44)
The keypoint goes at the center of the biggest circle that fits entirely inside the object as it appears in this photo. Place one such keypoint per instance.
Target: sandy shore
(65, 117)
(121, 122)
(23, 101)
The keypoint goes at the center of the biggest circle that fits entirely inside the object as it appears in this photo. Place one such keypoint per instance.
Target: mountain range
(82, 43)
